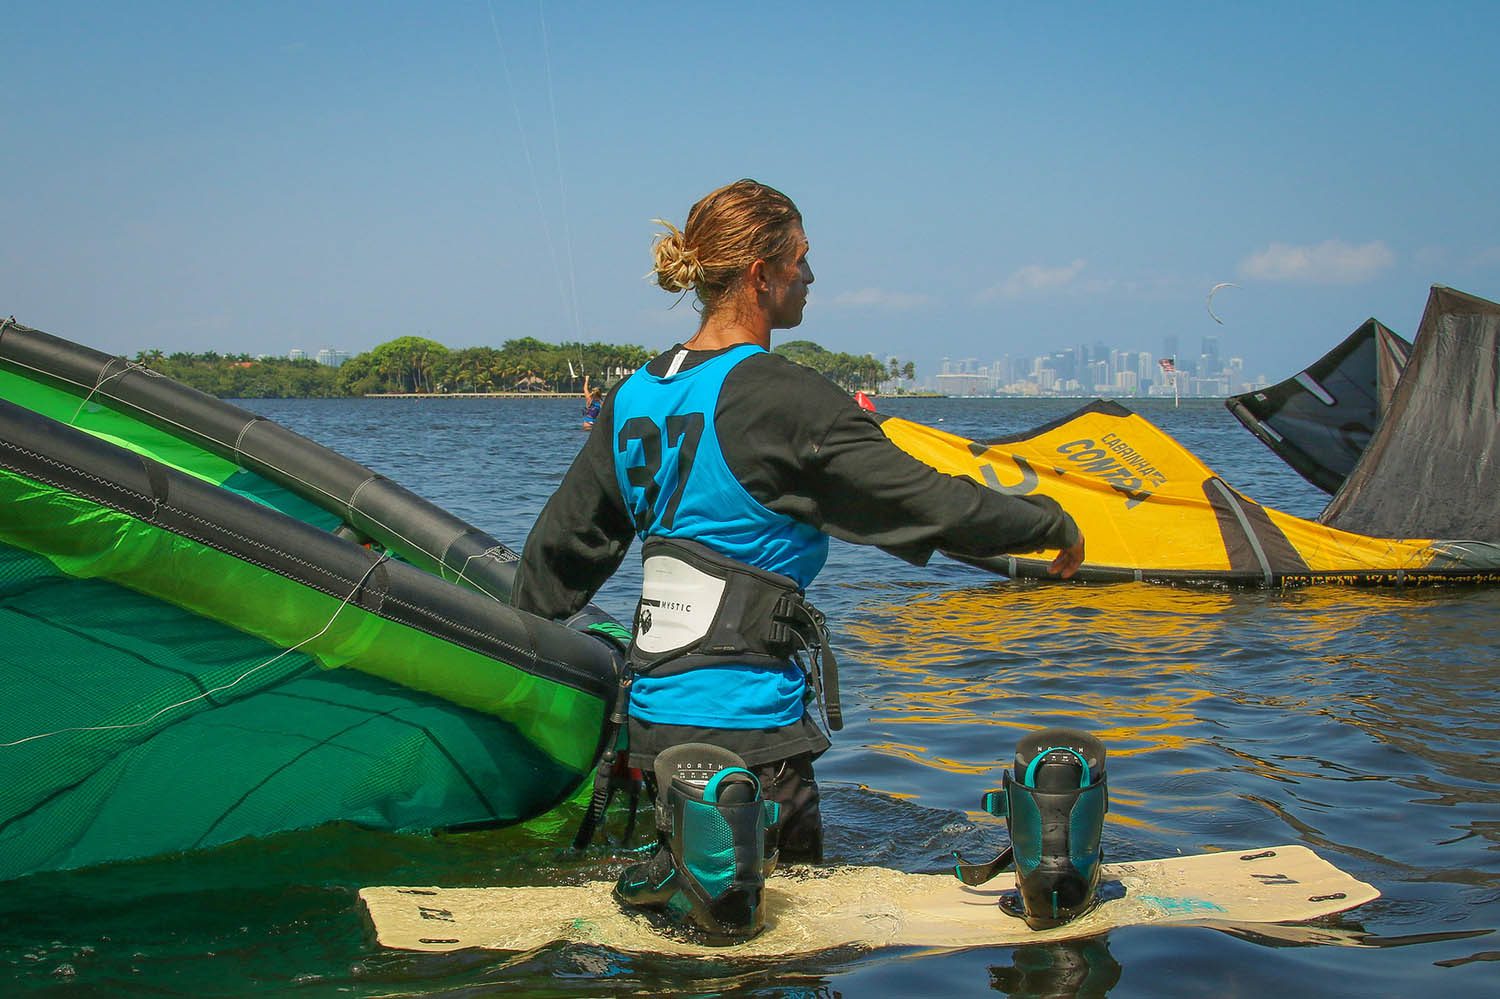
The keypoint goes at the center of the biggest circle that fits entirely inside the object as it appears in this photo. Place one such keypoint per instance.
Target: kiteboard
(811, 908)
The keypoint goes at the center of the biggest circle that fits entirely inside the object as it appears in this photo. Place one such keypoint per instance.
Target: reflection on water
(1012, 656)
(1073, 968)
(1290, 713)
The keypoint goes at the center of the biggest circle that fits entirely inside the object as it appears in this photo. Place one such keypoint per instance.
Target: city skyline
(1100, 370)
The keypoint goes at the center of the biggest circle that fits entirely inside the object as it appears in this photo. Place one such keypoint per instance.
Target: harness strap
(611, 772)
(823, 673)
(606, 781)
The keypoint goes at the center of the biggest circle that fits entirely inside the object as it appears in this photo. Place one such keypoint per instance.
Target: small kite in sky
(1211, 292)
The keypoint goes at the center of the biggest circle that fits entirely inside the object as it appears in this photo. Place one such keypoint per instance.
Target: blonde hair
(727, 230)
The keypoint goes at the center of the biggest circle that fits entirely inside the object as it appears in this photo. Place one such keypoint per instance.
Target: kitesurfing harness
(1054, 809)
(709, 871)
(699, 608)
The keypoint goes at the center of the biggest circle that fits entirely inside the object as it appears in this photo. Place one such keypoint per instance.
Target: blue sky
(977, 179)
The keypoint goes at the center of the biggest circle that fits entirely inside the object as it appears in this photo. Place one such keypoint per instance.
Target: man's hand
(1068, 560)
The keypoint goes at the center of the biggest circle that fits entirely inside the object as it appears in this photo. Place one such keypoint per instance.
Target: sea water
(1362, 723)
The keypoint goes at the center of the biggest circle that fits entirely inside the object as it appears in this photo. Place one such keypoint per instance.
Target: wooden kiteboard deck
(811, 909)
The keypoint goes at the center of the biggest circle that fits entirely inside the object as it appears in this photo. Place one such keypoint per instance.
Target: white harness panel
(678, 604)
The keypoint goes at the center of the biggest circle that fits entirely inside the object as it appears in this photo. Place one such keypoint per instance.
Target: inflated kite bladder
(708, 874)
(1053, 804)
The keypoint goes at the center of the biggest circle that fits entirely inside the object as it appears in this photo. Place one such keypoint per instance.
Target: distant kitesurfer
(734, 465)
(593, 399)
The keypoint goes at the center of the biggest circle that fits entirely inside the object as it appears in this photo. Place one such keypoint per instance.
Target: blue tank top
(672, 474)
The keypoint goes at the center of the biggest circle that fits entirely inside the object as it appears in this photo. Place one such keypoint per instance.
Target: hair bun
(677, 265)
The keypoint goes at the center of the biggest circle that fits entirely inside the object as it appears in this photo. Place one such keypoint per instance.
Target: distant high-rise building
(331, 358)
(1065, 364)
(1145, 369)
(1098, 376)
(296, 354)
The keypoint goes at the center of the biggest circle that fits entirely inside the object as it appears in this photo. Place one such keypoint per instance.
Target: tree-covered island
(414, 364)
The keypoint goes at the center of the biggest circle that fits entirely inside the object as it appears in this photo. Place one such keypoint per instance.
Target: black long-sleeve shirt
(800, 446)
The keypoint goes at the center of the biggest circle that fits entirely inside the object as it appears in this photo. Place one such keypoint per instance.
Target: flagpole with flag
(1169, 367)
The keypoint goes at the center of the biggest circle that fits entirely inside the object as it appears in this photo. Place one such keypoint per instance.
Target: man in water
(734, 466)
